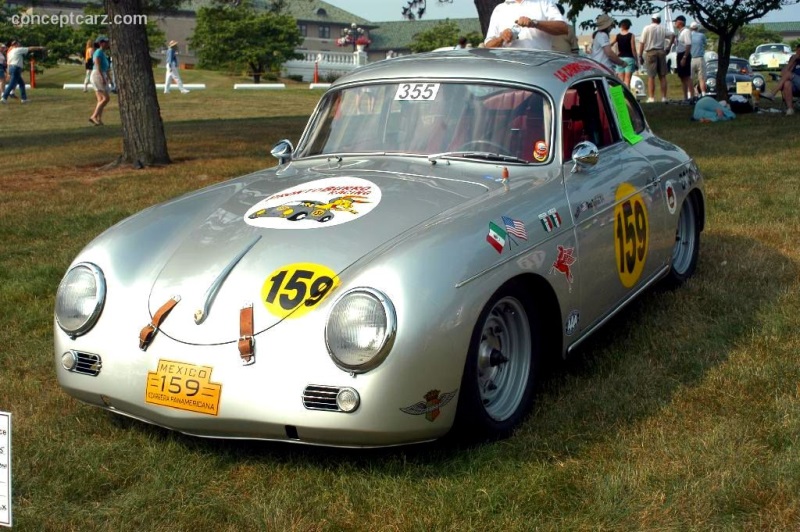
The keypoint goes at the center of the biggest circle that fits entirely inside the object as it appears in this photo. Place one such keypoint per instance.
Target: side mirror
(585, 155)
(283, 151)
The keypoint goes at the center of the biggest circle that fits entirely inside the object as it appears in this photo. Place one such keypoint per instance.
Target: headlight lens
(80, 298)
(758, 82)
(360, 330)
(711, 82)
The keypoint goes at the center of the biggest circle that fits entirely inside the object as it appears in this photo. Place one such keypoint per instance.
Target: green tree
(93, 26)
(416, 9)
(750, 36)
(445, 33)
(236, 38)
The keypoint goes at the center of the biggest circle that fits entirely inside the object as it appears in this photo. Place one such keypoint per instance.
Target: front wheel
(687, 245)
(497, 387)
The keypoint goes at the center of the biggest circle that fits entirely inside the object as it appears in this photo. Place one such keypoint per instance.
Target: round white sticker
(321, 203)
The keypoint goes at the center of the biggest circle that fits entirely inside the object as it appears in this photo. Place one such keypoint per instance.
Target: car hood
(273, 238)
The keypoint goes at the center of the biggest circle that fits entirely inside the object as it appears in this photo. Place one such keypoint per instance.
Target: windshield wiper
(485, 155)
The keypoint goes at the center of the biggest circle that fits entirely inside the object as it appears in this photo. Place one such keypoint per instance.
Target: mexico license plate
(183, 386)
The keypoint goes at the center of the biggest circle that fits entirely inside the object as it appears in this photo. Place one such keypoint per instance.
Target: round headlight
(711, 82)
(360, 329)
(758, 82)
(80, 298)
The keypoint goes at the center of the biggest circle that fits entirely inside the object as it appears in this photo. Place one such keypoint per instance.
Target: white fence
(326, 63)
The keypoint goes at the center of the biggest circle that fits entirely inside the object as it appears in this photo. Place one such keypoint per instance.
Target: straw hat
(604, 22)
(172, 44)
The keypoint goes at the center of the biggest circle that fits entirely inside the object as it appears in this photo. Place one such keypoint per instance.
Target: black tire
(298, 216)
(687, 244)
(498, 384)
(325, 218)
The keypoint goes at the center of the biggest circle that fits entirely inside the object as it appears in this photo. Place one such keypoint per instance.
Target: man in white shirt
(525, 24)
(653, 55)
(14, 57)
(683, 55)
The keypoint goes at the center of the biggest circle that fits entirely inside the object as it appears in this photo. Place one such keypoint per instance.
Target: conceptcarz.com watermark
(76, 19)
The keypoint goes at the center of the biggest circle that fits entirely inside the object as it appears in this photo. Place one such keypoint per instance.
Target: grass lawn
(682, 414)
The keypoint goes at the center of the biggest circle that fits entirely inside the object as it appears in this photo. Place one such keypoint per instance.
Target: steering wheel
(466, 146)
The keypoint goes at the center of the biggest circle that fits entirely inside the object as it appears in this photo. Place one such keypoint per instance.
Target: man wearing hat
(683, 55)
(653, 55)
(172, 68)
(698, 66)
(14, 57)
(601, 43)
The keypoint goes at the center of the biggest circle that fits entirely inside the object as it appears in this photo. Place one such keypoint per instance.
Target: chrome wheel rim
(685, 235)
(504, 358)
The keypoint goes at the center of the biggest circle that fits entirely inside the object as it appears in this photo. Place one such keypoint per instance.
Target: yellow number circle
(631, 234)
(295, 289)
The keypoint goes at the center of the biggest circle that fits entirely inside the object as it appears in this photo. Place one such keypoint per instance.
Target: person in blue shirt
(707, 109)
(100, 79)
(698, 51)
(173, 73)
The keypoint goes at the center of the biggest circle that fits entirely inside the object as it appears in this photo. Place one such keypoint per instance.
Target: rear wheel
(687, 244)
(498, 384)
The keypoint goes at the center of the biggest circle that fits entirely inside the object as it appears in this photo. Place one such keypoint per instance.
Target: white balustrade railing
(325, 63)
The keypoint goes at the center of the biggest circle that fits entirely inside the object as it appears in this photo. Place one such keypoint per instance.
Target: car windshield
(479, 121)
(773, 48)
(742, 67)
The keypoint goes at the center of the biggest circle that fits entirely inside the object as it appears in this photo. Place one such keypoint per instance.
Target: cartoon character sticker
(671, 198)
(322, 203)
(431, 406)
(563, 264)
(540, 150)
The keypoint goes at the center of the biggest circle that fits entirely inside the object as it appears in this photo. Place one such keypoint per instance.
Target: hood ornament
(201, 314)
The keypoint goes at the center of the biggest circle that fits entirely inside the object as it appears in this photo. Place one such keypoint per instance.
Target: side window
(585, 116)
(634, 111)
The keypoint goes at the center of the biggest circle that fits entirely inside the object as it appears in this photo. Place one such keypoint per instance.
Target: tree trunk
(723, 60)
(485, 8)
(143, 139)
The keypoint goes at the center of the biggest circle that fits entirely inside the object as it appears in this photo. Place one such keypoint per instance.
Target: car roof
(553, 71)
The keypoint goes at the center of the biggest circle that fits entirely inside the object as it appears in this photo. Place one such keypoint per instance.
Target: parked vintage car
(772, 56)
(739, 71)
(509, 203)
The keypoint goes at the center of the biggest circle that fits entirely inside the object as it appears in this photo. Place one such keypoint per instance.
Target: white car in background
(770, 56)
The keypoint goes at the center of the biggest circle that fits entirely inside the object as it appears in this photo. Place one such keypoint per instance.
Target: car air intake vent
(88, 364)
(318, 397)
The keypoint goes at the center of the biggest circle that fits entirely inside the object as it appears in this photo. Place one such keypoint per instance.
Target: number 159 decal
(417, 91)
(295, 289)
(631, 234)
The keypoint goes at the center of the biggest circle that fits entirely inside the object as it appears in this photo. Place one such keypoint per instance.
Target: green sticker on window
(621, 107)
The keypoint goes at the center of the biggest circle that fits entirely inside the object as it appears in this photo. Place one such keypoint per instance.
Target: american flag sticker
(550, 220)
(515, 228)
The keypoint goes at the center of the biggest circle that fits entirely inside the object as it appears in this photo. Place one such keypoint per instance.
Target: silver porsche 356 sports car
(445, 222)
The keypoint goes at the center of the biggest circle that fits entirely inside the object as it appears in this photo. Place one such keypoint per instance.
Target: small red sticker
(540, 150)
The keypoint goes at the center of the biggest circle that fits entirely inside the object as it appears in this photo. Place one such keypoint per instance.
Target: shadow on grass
(228, 129)
(629, 371)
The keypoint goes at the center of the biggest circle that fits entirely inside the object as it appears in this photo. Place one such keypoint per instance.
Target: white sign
(417, 91)
(321, 203)
(5, 468)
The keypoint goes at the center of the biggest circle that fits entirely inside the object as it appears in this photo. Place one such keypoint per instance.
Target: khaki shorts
(98, 82)
(656, 63)
(698, 68)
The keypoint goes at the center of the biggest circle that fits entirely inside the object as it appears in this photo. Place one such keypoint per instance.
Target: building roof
(318, 11)
(396, 35)
(781, 27)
